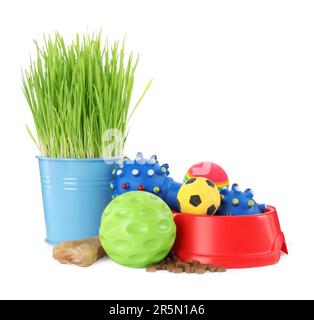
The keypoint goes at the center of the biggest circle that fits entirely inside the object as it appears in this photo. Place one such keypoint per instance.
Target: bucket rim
(79, 159)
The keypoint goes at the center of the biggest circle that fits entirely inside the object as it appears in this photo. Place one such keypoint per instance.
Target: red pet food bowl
(230, 241)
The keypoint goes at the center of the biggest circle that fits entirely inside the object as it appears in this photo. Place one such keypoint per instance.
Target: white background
(233, 83)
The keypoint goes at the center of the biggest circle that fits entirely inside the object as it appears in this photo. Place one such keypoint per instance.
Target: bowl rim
(270, 210)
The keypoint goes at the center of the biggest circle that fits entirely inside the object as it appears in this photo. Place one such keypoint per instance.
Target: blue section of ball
(234, 202)
(145, 175)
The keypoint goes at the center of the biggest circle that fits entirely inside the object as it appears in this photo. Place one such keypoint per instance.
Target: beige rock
(83, 252)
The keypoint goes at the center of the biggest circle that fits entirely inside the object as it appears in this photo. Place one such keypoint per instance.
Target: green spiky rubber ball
(137, 229)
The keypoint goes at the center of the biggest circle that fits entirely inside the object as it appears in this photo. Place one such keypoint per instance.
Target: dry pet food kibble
(173, 264)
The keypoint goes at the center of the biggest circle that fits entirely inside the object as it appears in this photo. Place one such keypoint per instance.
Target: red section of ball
(124, 186)
(141, 188)
(209, 170)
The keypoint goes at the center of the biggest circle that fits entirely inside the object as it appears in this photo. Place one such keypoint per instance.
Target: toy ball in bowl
(199, 196)
(137, 229)
(209, 170)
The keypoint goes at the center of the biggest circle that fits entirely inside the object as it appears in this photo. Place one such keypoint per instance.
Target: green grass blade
(78, 91)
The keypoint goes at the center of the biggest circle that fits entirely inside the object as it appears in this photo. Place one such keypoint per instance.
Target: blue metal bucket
(75, 193)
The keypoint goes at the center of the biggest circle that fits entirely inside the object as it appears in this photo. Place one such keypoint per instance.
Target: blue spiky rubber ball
(234, 202)
(137, 229)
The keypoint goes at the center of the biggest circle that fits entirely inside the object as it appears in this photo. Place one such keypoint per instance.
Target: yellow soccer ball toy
(199, 196)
